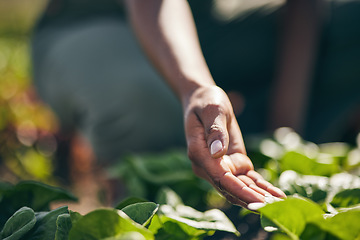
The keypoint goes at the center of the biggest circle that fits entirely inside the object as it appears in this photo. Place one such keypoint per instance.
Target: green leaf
(211, 220)
(155, 224)
(74, 216)
(346, 198)
(45, 227)
(35, 195)
(160, 177)
(141, 212)
(105, 223)
(302, 164)
(63, 226)
(18, 224)
(280, 236)
(177, 230)
(292, 214)
(40, 195)
(313, 232)
(129, 201)
(344, 225)
(268, 225)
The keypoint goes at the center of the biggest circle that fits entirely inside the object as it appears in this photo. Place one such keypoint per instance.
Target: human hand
(217, 151)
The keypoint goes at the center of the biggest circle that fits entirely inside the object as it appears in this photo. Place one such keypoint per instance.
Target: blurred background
(29, 148)
(27, 126)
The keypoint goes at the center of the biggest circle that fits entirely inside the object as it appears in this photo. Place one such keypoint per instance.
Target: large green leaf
(211, 220)
(40, 195)
(177, 230)
(45, 227)
(310, 166)
(18, 224)
(344, 225)
(141, 212)
(314, 232)
(105, 224)
(35, 195)
(292, 214)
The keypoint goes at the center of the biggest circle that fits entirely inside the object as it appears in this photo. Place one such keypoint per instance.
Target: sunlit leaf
(292, 215)
(105, 223)
(302, 164)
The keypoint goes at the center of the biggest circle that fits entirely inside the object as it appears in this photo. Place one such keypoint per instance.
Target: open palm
(217, 152)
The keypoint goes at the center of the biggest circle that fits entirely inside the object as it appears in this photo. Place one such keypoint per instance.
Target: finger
(262, 183)
(214, 120)
(200, 172)
(238, 189)
(251, 184)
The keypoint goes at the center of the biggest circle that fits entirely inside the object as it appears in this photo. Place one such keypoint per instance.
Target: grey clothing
(95, 78)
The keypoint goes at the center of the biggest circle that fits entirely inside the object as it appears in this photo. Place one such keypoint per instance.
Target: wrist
(191, 89)
(205, 95)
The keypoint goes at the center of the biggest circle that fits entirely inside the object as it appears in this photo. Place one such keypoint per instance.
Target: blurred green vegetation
(27, 126)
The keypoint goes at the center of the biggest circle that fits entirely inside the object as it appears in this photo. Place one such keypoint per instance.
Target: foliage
(301, 218)
(35, 195)
(286, 150)
(135, 220)
(318, 207)
(324, 175)
(322, 183)
(145, 174)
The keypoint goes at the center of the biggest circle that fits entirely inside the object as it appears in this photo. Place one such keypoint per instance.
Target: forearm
(167, 32)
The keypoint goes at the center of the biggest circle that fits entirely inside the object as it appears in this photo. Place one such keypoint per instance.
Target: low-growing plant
(135, 219)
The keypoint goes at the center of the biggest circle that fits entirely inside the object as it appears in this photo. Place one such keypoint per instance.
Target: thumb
(216, 133)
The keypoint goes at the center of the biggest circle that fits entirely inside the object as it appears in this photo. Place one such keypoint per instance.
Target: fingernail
(216, 146)
(255, 206)
(270, 229)
(271, 199)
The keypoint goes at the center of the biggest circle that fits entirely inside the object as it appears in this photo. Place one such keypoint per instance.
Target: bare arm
(167, 33)
(166, 30)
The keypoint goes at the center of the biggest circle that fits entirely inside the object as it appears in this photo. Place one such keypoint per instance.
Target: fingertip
(256, 205)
